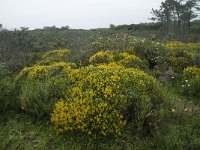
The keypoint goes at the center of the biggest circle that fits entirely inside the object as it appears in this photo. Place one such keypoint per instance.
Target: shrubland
(115, 92)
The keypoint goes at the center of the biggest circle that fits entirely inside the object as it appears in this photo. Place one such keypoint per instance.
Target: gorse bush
(102, 57)
(124, 59)
(180, 55)
(40, 86)
(182, 46)
(131, 61)
(54, 56)
(87, 117)
(153, 52)
(131, 95)
(191, 87)
(191, 72)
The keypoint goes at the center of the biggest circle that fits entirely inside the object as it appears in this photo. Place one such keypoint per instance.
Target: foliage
(110, 98)
(197, 56)
(87, 117)
(191, 86)
(176, 16)
(180, 55)
(7, 91)
(40, 86)
(182, 137)
(197, 60)
(130, 61)
(7, 96)
(127, 92)
(53, 57)
(102, 57)
(125, 59)
(153, 52)
(20, 132)
(191, 72)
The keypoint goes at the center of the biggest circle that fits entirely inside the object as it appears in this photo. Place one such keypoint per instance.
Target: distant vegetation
(125, 87)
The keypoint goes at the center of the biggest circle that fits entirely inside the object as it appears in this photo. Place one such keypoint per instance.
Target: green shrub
(180, 55)
(196, 60)
(8, 97)
(131, 61)
(124, 59)
(153, 52)
(3, 71)
(129, 93)
(7, 91)
(54, 56)
(184, 137)
(40, 86)
(102, 57)
(191, 84)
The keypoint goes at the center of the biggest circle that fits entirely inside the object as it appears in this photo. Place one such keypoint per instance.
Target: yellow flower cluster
(180, 45)
(102, 57)
(191, 72)
(99, 97)
(130, 60)
(43, 72)
(191, 82)
(87, 117)
(180, 55)
(120, 59)
(53, 56)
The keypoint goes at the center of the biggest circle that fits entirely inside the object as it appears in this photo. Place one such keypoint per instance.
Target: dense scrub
(101, 99)
(138, 92)
(40, 86)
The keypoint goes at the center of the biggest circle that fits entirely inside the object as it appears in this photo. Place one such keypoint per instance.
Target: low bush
(183, 137)
(131, 95)
(8, 97)
(125, 59)
(54, 56)
(180, 55)
(40, 86)
(7, 91)
(131, 61)
(191, 84)
(153, 52)
(102, 57)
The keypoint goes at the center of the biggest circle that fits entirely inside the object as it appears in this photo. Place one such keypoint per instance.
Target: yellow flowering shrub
(40, 86)
(191, 72)
(130, 61)
(191, 82)
(180, 55)
(53, 57)
(102, 57)
(87, 117)
(109, 96)
(125, 59)
(180, 45)
(41, 72)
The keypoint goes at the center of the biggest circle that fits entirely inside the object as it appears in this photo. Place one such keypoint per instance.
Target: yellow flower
(173, 110)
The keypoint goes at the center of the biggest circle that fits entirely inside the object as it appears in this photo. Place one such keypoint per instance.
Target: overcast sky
(83, 14)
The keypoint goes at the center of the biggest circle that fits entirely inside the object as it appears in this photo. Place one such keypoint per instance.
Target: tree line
(176, 15)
